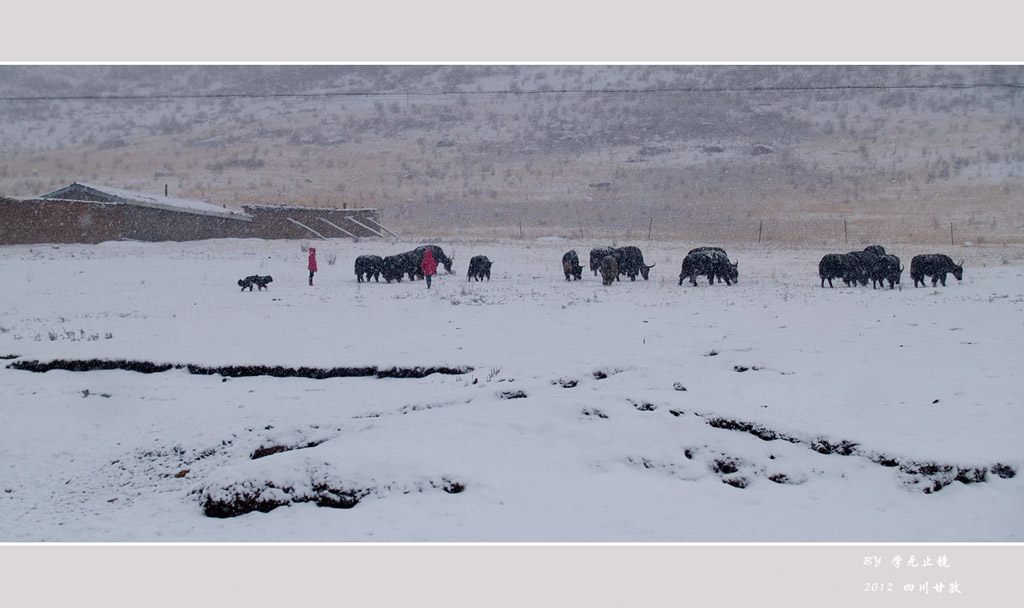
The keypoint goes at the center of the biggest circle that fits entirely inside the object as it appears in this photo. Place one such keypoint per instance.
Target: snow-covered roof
(306, 208)
(170, 203)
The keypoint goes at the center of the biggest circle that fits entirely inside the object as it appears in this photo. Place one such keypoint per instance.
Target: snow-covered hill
(695, 151)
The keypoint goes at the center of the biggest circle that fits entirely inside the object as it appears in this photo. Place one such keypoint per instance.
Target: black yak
(393, 267)
(368, 266)
(886, 268)
(935, 265)
(845, 266)
(571, 266)
(609, 270)
(439, 256)
(631, 262)
(710, 262)
(479, 268)
(597, 255)
(409, 261)
(861, 263)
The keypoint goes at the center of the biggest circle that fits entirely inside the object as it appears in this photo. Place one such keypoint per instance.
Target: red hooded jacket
(429, 264)
(312, 259)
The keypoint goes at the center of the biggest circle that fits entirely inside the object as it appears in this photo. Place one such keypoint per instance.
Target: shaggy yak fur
(479, 268)
(609, 270)
(571, 266)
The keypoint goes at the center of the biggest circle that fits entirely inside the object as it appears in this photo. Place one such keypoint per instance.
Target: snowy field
(771, 410)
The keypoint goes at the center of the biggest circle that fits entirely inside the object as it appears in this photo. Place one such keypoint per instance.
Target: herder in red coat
(312, 264)
(428, 265)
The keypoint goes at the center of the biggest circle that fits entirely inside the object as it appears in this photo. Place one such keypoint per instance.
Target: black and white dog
(258, 281)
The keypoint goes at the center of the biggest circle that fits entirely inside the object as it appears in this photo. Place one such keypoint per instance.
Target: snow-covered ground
(771, 410)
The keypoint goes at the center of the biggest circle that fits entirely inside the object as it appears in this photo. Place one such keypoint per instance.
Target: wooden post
(846, 232)
(759, 227)
(951, 233)
(649, 227)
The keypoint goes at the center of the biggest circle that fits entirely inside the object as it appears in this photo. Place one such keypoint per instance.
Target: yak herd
(394, 267)
(856, 267)
(875, 265)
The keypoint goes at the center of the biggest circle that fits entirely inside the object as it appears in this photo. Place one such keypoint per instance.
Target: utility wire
(364, 94)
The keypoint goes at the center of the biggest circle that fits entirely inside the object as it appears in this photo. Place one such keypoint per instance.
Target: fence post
(759, 227)
(846, 232)
(951, 233)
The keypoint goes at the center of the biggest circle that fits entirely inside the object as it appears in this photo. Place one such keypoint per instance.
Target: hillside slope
(797, 153)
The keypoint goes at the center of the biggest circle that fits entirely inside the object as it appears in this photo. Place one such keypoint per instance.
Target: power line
(537, 92)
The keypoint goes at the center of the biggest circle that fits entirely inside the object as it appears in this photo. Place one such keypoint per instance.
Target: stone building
(83, 213)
